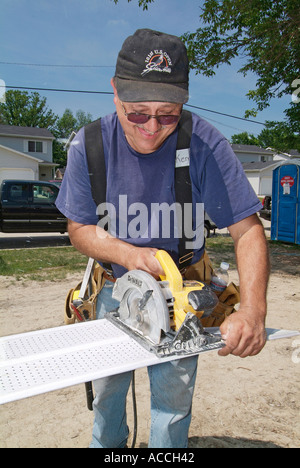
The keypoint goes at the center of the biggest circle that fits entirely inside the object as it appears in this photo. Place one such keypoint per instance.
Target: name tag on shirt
(182, 158)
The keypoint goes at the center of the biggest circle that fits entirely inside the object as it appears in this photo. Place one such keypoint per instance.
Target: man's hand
(244, 331)
(244, 334)
(143, 258)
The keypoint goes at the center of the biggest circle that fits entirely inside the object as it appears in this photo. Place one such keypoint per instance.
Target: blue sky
(91, 32)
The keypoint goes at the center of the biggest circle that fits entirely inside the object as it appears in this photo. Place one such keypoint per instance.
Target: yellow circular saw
(165, 315)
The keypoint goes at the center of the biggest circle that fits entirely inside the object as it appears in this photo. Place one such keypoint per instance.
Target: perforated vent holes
(45, 360)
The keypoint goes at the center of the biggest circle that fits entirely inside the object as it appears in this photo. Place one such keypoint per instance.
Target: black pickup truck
(29, 206)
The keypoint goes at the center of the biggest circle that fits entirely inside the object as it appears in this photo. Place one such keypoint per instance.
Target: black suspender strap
(96, 164)
(183, 185)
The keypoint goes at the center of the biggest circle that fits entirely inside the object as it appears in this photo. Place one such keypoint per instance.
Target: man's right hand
(143, 258)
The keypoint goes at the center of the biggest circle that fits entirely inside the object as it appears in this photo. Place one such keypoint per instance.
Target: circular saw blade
(143, 306)
(139, 320)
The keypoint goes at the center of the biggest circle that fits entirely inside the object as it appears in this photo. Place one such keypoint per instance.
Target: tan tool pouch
(85, 311)
(202, 271)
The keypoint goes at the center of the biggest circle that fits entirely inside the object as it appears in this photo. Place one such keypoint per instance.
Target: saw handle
(172, 274)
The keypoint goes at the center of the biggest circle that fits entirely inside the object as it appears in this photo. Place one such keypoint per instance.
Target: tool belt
(85, 310)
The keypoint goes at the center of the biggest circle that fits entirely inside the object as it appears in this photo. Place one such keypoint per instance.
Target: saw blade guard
(143, 305)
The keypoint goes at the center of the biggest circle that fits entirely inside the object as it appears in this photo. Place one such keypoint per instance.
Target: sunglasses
(138, 118)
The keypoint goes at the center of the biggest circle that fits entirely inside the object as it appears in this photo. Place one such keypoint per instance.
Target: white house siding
(18, 174)
(15, 165)
(260, 182)
(253, 178)
(266, 184)
(46, 171)
(17, 138)
(248, 158)
(250, 153)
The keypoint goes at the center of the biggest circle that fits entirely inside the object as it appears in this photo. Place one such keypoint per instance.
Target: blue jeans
(171, 386)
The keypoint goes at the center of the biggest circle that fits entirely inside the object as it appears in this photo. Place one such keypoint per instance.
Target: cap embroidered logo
(157, 61)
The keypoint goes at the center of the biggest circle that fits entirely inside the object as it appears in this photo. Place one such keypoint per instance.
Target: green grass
(220, 244)
(284, 245)
(225, 244)
(55, 263)
(51, 263)
(221, 249)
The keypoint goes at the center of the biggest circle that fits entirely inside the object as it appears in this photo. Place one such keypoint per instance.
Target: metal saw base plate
(167, 346)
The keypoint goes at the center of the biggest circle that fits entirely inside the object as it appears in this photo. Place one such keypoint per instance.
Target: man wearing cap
(150, 86)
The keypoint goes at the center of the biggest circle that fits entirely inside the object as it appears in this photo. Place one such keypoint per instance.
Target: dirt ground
(239, 403)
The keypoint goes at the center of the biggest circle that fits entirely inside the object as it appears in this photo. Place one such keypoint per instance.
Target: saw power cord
(134, 410)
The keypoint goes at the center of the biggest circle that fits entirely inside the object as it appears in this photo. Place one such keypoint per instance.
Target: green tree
(279, 135)
(264, 34)
(276, 135)
(59, 153)
(82, 119)
(244, 139)
(26, 110)
(67, 124)
(30, 110)
(142, 3)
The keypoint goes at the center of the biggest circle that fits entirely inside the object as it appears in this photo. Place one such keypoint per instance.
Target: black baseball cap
(152, 66)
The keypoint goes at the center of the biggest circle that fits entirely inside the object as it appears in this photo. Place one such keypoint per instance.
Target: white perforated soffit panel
(51, 359)
(46, 360)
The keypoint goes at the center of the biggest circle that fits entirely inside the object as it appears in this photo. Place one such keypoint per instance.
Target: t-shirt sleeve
(75, 199)
(221, 183)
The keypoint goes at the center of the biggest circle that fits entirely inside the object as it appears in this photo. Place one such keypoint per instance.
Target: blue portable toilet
(285, 219)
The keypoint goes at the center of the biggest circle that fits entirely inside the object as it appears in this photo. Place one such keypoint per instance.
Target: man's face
(146, 138)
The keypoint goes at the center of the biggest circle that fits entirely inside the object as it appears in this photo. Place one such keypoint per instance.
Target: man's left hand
(243, 334)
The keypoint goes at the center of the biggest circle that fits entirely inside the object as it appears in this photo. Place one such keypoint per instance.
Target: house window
(35, 146)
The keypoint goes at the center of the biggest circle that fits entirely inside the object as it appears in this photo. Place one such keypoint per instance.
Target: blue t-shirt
(140, 187)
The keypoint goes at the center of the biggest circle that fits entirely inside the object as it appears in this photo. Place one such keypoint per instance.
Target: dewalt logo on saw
(134, 280)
